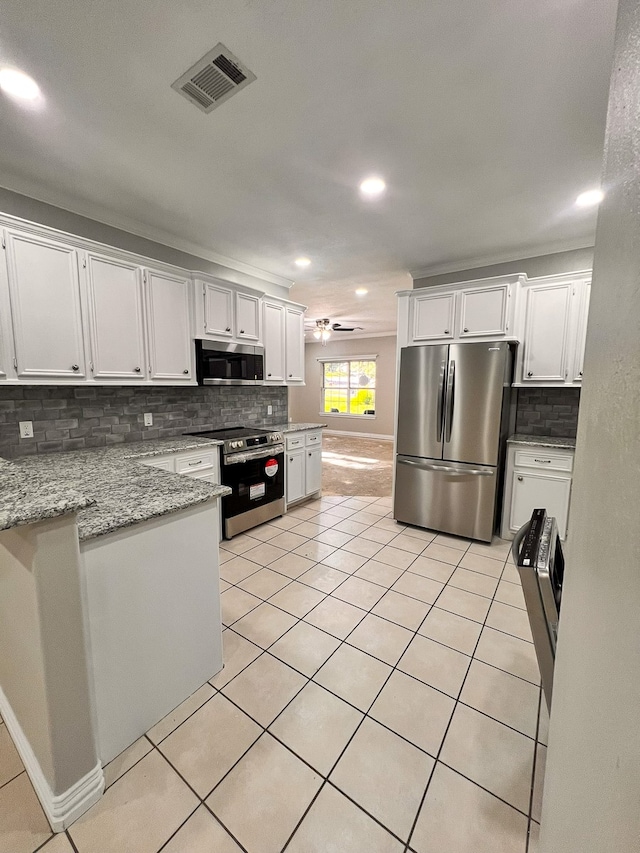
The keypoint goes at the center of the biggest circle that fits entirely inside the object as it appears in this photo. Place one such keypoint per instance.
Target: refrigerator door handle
(447, 469)
(451, 393)
(441, 392)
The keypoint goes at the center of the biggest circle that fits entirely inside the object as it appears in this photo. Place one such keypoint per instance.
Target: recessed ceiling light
(361, 291)
(372, 187)
(18, 85)
(302, 262)
(589, 198)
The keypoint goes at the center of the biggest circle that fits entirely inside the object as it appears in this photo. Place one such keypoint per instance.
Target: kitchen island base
(153, 620)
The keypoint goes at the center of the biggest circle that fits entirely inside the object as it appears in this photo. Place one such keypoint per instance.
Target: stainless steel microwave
(224, 363)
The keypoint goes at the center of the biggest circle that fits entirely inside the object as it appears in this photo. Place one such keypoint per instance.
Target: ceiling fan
(323, 328)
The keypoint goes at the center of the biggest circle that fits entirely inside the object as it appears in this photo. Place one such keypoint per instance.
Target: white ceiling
(486, 117)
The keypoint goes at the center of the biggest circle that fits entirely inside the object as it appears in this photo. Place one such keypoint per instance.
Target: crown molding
(156, 235)
(502, 258)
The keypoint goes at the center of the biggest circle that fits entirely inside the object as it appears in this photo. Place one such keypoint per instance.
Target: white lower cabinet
(536, 477)
(303, 461)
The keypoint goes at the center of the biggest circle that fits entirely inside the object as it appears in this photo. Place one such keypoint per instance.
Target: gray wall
(55, 217)
(592, 790)
(560, 262)
(75, 417)
(305, 402)
(548, 411)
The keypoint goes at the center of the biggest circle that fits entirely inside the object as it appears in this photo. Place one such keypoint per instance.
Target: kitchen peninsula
(109, 607)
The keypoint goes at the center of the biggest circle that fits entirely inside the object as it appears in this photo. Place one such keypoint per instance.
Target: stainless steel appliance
(224, 363)
(537, 553)
(252, 465)
(453, 419)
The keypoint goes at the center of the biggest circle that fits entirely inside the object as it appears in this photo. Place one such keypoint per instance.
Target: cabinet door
(247, 317)
(433, 316)
(170, 346)
(313, 470)
(581, 334)
(484, 311)
(273, 339)
(295, 475)
(7, 352)
(546, 333)
(531, 491)
(116, 319)
(44, 288)
(218, 310)
(294, 345)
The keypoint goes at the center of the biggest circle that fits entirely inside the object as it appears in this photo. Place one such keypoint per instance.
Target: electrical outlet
(269, 410)
(148, 419)
(26, 429)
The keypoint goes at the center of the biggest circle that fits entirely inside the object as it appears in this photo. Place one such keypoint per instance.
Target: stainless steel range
(252, 466)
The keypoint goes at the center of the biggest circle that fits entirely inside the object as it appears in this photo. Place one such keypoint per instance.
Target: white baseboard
(61, 810)
(345, 432)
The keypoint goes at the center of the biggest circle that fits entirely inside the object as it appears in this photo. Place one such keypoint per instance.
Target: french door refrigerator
(453, 417)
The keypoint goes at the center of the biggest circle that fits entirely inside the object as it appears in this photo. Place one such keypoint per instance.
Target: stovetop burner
(237, 439)
(230, 432)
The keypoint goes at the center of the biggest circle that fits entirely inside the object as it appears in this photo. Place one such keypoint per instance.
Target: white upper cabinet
(581, 331)
(484, 311)
(294, 344)
(274, 343)
(46, 307)
(168, 327)
(218, 310)
(7, 351)
(247, 316)
(116, 321)
(433, 316)
(546, 335)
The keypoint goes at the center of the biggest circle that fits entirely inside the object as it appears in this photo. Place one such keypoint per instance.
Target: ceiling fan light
(317, 334)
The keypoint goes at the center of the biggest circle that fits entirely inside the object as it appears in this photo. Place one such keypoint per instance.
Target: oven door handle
(250, 455)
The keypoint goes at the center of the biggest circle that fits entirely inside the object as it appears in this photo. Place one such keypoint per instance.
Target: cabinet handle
(309, 454)
(185, 371)
(465, 330)
(520, 479)
(580, 373)
(291, 459)
(136, 370)
(268, 374)
(290, 375)
(446, 331)
(547, 461)
(529, 373)
(191, 464)
(75, 367)
(242, 331)
(228, 329)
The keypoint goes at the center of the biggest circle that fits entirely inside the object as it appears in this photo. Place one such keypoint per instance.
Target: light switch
(269, 410)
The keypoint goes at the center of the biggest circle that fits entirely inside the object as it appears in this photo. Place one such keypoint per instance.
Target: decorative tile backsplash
(548, 411)
(77, 417)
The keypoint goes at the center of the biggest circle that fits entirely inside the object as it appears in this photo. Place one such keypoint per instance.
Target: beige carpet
(356, 466)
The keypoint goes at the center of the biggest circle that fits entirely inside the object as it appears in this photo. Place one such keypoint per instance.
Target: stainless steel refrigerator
(453, 419)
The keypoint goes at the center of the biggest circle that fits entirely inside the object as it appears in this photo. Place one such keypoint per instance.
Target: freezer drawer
(453, 498)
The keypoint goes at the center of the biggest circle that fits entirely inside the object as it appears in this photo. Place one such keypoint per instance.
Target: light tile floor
(380, 693)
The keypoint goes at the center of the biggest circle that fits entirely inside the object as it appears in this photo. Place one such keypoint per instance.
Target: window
(349, 387)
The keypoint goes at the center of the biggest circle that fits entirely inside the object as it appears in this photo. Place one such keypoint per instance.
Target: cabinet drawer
(294, 441)
(166, 464)
(541, 460)
(194, 463)
(314, 438)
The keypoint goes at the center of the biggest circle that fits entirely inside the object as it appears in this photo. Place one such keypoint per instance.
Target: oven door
(257, 484)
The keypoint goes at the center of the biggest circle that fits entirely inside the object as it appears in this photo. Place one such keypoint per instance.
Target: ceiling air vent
(213, 79)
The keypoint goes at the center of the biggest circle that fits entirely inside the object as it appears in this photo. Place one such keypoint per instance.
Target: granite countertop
(108, 488)
(543, 441)
(295, 427)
